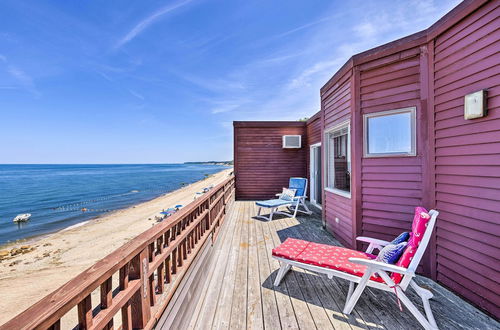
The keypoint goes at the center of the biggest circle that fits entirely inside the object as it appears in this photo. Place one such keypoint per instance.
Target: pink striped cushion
(420, 222)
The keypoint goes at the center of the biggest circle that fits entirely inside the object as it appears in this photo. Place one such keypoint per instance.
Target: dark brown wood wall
(467, 158)
(262, 166)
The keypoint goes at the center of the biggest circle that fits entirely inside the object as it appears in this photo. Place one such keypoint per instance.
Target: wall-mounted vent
(292, 141)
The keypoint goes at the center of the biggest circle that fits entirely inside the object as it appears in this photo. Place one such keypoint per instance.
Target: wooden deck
(237, 291)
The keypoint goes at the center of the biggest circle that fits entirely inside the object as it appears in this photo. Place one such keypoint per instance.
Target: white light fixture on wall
(475, 105)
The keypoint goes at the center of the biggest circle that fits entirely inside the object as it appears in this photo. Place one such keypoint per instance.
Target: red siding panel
(391, 186)
(468, 158)
(336, 105)
(262, 166)
(313, 134)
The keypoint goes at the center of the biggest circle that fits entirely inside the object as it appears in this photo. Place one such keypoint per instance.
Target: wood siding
(457, 166)
(313, 136)
(467, 158)
(391, 187)
(336, 105)
(262, 166)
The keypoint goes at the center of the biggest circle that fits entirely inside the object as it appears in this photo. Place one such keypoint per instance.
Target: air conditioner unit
(292, 141)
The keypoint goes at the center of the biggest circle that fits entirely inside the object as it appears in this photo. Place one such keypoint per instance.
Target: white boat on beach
(22, 217)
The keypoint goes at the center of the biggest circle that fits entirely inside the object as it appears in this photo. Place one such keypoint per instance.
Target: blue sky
(162, 81)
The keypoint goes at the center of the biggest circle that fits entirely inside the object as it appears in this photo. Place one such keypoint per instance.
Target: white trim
(312, 180)
(326, 156)
(339, 192)
(413, 124)
(287, 147)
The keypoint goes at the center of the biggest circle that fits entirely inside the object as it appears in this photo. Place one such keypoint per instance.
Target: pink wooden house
(396, 129)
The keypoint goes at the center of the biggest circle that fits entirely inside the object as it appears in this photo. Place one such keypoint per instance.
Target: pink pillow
(420, 222)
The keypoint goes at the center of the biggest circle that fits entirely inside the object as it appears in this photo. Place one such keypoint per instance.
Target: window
(390, 133)
(339, 160)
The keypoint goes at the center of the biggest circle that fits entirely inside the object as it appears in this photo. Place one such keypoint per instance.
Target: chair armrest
(378, 265)
(372, 240)
(374, 243)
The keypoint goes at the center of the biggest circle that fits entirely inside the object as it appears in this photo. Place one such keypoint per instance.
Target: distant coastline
(212, 162)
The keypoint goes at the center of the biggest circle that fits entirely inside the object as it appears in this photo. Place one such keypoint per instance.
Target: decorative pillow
(403, 237)
(390, 253)
(288, 194)
(420, 221)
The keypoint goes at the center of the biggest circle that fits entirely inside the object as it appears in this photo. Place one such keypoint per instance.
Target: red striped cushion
(322, 255)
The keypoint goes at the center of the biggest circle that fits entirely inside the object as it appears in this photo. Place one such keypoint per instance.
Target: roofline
(317, 115)
(413, 40)
(269, 123)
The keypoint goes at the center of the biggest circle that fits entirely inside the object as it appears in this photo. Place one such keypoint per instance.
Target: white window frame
(413, 125)
(327, 158)
(312, 191)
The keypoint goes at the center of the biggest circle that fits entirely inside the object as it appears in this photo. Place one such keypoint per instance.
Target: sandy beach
(45, 263)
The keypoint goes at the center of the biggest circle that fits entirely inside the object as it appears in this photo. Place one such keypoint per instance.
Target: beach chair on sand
(293, 203)
(362, 268)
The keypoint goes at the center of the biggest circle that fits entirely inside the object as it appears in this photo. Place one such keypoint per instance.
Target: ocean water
(56, 194)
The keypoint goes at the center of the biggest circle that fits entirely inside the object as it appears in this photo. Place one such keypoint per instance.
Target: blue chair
(293, 206)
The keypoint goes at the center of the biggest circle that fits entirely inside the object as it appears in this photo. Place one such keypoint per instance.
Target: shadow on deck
(236, 289)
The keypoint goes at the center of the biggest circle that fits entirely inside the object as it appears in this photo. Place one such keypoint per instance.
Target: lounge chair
(293, 205)
(362, 268)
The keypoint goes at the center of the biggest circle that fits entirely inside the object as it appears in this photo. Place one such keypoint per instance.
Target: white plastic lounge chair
(299, 200)
(360, 267)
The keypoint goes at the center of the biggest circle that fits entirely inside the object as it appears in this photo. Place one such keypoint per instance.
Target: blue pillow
(390, 254)
(403, 237)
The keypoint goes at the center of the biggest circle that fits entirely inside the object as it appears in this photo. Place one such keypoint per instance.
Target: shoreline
(44, 262)
(33, 239)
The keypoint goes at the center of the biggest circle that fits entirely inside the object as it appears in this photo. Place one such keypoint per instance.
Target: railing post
(141, 312)
(85, 313)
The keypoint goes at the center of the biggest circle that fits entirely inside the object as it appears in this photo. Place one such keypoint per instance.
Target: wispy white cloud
(20, 76)
(289, 92)
(142, 25)
(302, 27)
(137, 95)
(305, 77)
(213, 84)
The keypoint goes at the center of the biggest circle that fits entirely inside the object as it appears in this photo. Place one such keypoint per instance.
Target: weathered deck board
(239, 291)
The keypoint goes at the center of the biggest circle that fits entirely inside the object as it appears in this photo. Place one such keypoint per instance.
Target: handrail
(149, 267)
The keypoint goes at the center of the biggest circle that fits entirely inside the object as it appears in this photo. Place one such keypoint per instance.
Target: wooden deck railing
(149, 269)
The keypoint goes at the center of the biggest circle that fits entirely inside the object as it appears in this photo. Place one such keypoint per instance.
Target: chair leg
(296, 210)
(271, 215)
(414, 310)
(303, 202)
(281, 273)
(351, 302)
(351, 289)
(425, 295)
(258, 212)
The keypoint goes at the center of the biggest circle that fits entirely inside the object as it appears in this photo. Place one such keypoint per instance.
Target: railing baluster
(140, 300)
(167, 238)
(56, 325)
(151, 289)
(168, 270)
(85, 313)
(161, 277)
(151, 252)
(127, 308)
(107, 298)
(174, 261)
